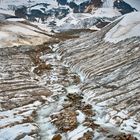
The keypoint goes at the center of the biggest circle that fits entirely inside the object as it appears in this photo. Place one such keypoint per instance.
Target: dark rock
(74, 97)
(125, 137)
(87, 136)
(123, 7)
(57, 137)
(21, 12)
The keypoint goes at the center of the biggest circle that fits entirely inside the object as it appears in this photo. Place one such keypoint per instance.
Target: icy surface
(128, 27)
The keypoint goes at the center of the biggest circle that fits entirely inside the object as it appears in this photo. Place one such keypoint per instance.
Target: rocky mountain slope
(110, 76)
(74, 85)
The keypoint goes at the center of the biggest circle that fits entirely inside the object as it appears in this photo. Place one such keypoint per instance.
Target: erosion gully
(62, 111)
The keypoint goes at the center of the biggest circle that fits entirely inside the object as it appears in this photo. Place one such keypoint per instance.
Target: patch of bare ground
(65, 120)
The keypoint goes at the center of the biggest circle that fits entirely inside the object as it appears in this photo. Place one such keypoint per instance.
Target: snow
(38, 7)
(14, 118)
(16, 19)
(84, 20)
(23, 30)
(134, 3)
(10, 133)
(5, 4)
(106, 12)
(128, 125)
(73, 89)
(5, 11)
(44, 121)
(27, 138)
(72, 20)
(76, 21)
(77, 1)
(3, 35)
(128, 27)
(94, 28)
(108, 3)
(16, 33)
(81, 117)
(46, 56)
(109, 120)
(78, 132)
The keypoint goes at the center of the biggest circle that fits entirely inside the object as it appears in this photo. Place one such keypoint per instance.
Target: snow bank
(128, 27)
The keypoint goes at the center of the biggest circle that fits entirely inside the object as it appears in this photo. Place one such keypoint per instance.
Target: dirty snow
(14, 33)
